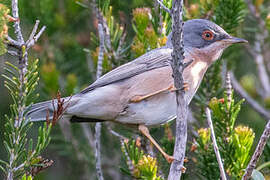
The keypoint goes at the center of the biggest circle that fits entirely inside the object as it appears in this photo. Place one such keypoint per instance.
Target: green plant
(23, 154)
(234, 142)
(141, 166)
(149, 33)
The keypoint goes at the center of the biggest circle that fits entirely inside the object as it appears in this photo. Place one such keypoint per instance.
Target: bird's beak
(234, 40)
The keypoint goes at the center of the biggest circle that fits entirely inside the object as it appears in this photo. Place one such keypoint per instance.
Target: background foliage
(68, 53)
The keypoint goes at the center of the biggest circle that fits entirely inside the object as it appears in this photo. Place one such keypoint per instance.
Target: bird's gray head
(206, 36)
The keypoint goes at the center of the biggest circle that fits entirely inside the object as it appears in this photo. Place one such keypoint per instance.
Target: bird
(141, 93)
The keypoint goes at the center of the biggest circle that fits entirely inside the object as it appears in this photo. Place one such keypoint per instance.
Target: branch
(215, 146)
(17, 27)
(164, 7)
(228, 87)
(97, 153)
(177, 64)
(256, 106)
(12, 53)
(101, 50)
(33, 38)
(99, 73)
(258, 152)
(121, 137)
(128, 160)
(34, 31)
(13, 42)
(45, 163)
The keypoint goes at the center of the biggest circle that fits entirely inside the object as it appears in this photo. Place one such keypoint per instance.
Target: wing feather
(154, 59)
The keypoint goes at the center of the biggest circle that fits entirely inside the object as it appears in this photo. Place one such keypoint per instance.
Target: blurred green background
(67, 65)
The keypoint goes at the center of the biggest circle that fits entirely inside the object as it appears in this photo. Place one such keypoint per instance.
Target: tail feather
(39, 111)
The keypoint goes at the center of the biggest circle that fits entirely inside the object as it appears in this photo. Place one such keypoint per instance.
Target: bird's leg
(144, 130)
(185, 87)
(171, 88)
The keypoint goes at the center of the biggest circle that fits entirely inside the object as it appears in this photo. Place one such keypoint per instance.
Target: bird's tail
(40, 111)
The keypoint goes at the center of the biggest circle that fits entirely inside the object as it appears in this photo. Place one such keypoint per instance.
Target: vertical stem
(17, 27)
(178, 68)
(23, 69)
(220, 164)
(20, 104)
(228, 87)
(101, 50)
(98, 125)
(97, 153)
(22, 58)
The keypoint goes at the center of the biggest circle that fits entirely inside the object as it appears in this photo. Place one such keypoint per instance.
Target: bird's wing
(154, 59)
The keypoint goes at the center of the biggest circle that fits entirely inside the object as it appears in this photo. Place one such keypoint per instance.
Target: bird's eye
(208, 35)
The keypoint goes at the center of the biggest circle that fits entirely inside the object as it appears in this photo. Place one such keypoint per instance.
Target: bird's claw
(185, 86)
(169, 159)
(136, 99)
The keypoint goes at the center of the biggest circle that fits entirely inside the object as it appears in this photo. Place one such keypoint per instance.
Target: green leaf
(3, 162)
(25, 177)
(82, 4)
(2, 168)
(264, 165)
(12, 66)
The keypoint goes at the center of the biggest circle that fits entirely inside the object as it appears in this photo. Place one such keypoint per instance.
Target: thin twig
(97, 153)
(34, 31)
(215, 146)
(32, 41)
(164, 7)
(128, 160)
(256, 106)
(258, 152)
(228, 87)
(177, 64)
(13, 42)
(19, 167)
(44, 164)
(12, 53)
(121, 137)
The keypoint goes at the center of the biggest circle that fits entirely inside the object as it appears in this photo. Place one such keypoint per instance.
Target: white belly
(151, 111)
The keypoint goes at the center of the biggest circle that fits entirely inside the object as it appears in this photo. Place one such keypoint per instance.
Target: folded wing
(154, 59)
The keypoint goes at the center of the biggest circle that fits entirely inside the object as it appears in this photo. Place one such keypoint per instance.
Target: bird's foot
(136, 99)
(169, 158)
(185, 86)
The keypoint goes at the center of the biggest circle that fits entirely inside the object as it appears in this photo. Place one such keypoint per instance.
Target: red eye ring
(208, 35)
